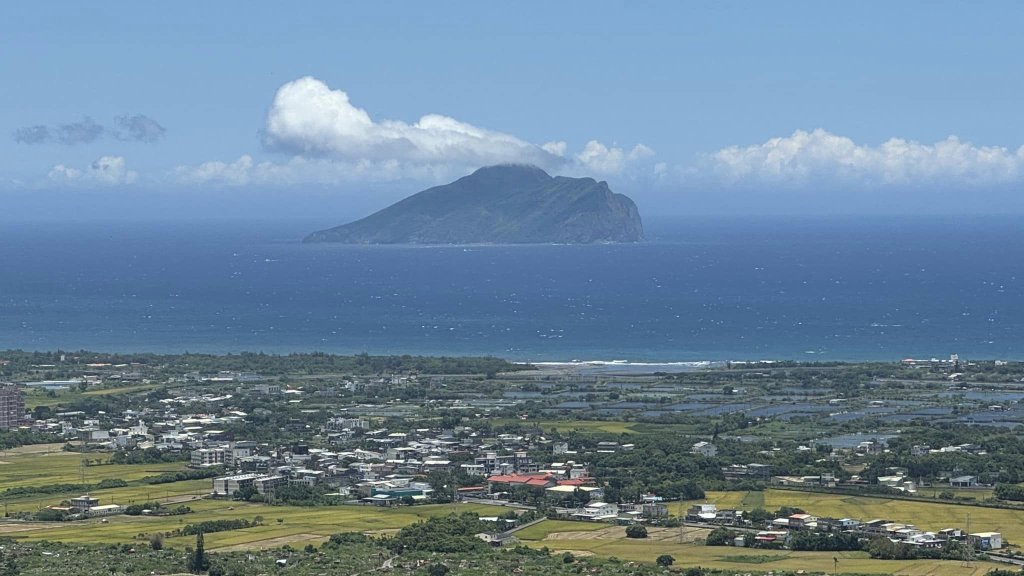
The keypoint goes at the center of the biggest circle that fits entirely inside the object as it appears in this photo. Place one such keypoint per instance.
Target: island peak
(501, 204)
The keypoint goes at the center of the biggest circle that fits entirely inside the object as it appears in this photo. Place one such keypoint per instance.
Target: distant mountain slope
(506, 204)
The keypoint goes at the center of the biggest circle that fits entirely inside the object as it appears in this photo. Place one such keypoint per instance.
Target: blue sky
(689, 107)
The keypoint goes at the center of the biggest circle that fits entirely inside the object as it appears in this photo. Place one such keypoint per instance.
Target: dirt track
(11, 527)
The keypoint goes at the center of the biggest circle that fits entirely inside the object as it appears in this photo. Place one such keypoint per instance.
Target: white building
(986, 540)
(263, 483)
(239, 450)
(228, 485)
(206, 457)
(105, 510)
(704, 449)
(598, 511)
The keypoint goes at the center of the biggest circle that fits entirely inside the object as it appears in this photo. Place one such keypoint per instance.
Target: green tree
(437, 570)
(636, 531)
(1009, 492)
(197, 561)
(665, 560)
(759, 516)
(245, 493)
(720, 537)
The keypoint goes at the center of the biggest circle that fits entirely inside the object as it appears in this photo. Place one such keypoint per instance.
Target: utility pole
(682, 519)
(81, 474)
(969, 559)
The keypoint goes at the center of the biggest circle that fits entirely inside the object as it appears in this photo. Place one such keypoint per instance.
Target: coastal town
(540, 445)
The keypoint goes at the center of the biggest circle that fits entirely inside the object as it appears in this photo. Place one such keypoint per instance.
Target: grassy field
(760, 561)
(37, 469)
(39, 397)
(120, 390)
(131, 494)
(33, 466)
(281, 524)
(598, 539)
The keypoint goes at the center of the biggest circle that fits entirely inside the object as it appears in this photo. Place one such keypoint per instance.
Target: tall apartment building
(12, 406)
(205, 457)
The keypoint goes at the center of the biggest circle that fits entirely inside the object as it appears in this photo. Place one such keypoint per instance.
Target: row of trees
(1009, 492)
(147, 456)
(885, 549)
(822, 541)
(214, 526)
(20, 362)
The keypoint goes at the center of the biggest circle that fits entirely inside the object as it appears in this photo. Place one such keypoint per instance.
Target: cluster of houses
(779, 530)
(166, 430)
(391, 471)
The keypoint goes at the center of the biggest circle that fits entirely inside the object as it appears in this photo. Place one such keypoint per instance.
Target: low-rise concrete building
(986, 540)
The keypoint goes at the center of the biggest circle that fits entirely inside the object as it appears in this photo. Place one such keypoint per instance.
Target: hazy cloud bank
(127, 128)
(138, 128)
(806, 159)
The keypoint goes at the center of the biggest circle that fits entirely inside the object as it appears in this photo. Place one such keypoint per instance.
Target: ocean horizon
(699, 289)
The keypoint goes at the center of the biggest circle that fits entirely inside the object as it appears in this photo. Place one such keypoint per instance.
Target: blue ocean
(699, 289)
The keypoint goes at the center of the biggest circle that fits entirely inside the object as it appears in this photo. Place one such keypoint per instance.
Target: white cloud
(817, 157)
(236, 173)
(310, 120)
(556, 148)
(604, 160)
(108, 170)
(331, 141)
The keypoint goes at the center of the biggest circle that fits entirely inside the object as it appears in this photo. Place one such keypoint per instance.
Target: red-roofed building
(532, 480)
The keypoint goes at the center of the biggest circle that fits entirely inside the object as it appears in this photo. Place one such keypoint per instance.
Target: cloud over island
(328, 138)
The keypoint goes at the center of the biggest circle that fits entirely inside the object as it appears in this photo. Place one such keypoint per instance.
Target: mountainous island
(506, 204)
